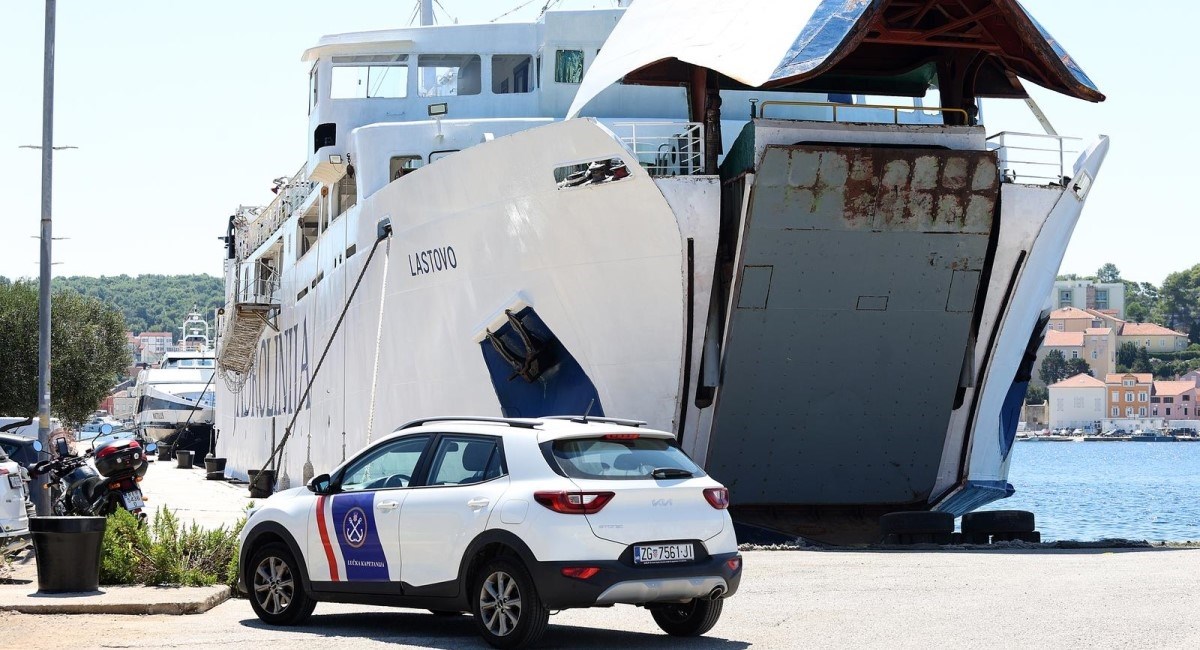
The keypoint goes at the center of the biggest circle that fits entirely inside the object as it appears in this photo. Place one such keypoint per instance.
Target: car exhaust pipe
(716, 593)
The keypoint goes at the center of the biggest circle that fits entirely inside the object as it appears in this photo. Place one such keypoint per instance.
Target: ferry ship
(778, 229)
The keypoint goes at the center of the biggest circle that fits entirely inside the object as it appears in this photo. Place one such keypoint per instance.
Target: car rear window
(609, 458)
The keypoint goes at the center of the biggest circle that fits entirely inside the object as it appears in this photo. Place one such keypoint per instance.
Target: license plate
(133, 500)
(14, 481)
(663, 553)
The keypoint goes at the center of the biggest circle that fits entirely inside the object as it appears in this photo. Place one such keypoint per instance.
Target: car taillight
(574, 503)
(580, 572)
(621, 436)
(734, 563)
(717, 497)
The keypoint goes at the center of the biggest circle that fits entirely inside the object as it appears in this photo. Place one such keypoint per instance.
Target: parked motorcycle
(97, 488)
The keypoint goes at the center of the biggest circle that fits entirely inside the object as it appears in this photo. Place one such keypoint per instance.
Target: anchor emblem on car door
(354, 527)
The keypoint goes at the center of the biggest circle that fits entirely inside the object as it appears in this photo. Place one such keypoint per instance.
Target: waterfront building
(1089, 294)
(1128, 395)
(1096, 345)
(154, 345)
(1174, 400)
(1076, 403)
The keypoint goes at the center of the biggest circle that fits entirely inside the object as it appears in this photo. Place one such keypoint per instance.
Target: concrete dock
(789, 599)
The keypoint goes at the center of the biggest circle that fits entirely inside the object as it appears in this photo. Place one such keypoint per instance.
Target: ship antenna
(589, 409)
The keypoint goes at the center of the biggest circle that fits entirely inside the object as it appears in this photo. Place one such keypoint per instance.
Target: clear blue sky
(183, 110)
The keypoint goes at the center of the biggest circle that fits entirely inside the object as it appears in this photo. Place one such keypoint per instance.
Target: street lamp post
(40, 494)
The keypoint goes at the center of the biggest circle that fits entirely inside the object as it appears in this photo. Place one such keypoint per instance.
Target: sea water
(1097, 490)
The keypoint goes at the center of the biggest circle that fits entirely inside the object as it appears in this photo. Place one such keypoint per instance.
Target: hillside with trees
(152, 303)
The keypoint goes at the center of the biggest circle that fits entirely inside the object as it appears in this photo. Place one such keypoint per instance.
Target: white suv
(506, 519)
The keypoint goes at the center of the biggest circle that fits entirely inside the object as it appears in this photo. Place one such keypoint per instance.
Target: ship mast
(426, 12)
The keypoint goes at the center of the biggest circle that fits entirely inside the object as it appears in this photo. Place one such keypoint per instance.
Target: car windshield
(621, 457)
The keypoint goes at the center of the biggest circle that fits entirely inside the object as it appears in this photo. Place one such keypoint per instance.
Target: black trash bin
(183, 459)
(68, 553)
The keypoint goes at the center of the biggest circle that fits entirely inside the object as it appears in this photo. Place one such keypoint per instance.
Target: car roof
(543, 429)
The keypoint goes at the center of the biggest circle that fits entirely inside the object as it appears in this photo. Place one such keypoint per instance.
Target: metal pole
(41, 496)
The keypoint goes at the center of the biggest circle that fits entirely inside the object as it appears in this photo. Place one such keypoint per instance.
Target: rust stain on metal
(894, 189)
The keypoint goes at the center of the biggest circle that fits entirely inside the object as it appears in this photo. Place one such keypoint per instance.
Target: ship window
(510, 74)
(568, 66)
(312, 90)
(401, 165)
(448, 75)
(387, 80)
(438, 155)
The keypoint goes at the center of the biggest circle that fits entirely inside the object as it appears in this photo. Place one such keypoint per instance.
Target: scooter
(98, 488)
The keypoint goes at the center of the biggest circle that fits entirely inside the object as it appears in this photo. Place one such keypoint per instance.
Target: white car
(14, 522)
(507, 519)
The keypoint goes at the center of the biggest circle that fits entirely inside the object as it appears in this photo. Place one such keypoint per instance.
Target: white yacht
(180, 392)
(736, 221)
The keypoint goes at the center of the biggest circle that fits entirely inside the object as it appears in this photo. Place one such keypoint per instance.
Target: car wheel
(688, 619)
(508, 611)
(276, 589)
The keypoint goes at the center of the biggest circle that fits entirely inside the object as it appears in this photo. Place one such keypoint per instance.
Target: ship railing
(668, 148)
(869, 113)
(1033, 158)
(261, 285)
(261, 223)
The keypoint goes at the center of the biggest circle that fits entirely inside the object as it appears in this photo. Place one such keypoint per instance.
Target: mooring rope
(387, 256)
(287, 432)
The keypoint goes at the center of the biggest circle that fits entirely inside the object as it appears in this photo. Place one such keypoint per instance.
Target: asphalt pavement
(789, 599)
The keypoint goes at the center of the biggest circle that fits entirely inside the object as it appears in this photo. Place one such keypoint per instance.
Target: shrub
(167, 552)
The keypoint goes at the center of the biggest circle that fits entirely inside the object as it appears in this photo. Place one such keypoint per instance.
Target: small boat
(1151, 435)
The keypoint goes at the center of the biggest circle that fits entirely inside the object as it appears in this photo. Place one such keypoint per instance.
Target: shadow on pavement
(452, 633)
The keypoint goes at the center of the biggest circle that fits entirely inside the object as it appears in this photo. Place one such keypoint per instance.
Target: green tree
(1108, 273)
(1054, 368)
(1142, 362)
(152, 303)
(1077, 367)
(1179, 303)
(87, 347)
(1126, 354)
(1036, 395)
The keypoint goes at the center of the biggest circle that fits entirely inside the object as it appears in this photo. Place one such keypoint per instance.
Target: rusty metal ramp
(851, 315)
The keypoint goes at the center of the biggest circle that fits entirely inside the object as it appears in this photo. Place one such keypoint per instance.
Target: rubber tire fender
(692, 618)
(998, 521)
(918, 522)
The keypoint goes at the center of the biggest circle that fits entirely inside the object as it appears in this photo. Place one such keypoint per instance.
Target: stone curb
(121, 600)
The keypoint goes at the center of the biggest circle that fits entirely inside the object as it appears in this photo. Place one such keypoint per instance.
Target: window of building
(1168, 411)
(568, 66)
(1128, 411)
(1147, 342)
(1185, 410)
(1115, 411)
(382, 76)
(1142, 397)
(1101, 298)
(1116, 396)
(1128, 397)
(1162, 343)
(1074, 354)
(1168, 400)
(1187, 398)
(510, 73)
(449, 75)
(1154, 410)
(1094, 354)
(1064, 298)
(1078, 402)
(399, 166)
(1142, 412)
(1128, 382)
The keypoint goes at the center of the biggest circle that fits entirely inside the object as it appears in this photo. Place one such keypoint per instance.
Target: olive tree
(87, 346)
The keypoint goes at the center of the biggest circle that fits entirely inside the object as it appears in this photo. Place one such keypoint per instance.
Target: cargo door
(852, 313)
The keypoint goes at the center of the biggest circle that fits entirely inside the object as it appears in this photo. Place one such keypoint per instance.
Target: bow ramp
(849, 254)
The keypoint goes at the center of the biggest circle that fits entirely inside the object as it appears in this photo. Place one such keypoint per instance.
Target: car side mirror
(320, 484)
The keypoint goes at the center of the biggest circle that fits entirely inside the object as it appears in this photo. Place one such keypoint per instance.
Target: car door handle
(478, 502)
(387, 505)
